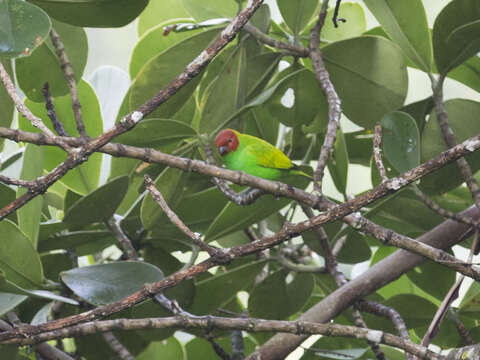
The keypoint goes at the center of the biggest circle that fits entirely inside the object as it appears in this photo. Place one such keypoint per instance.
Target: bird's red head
(226, 141)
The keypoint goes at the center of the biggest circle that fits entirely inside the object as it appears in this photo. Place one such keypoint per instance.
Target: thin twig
(377, 152)
(23, 183)
(117, 347)
(25, 111)
(238, 348)
(242, 323)
(462, 330)
(71, 83)
(268, 40)
(217, 348)
(157, 196)
(122, 239)
(335, 18)
(299, 267)
(334, 109)
(57, 125)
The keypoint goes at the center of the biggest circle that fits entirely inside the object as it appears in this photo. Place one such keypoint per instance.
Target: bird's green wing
(269, 156)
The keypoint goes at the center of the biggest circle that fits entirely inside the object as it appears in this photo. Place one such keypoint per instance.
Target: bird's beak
(223, 150)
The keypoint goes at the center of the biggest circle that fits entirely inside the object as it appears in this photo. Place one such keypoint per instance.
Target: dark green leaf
(99, 205)
(29, 214)
(162, 69)
(464, 122)
(368, 85)
(43, 65)
(170, 349)
(6, 104)
(107, 283)
(338, 163)
(156, 132)
(455, 34)
(355, 249)
(84, 178)
(18, 259)
(93, 13)
(401, 141)
(224, 286)
(405, 22)
(422, 277)
(83, 242)
(17, 39)
(297, 13)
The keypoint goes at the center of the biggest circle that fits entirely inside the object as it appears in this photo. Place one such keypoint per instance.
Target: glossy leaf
(297, 14)
(234, 217)
(170, 185)
(401, 141)
(464, 122)
(210, 9)
(106, 283)
(29, 214)
(455, 34)
(16, 39)
(156, 132)
(82, 242)
(159, 11)
(468, 73)
(224, 286)
(274, 298)
(155, 42)
(43, 65)
(162, 69)
(231, 86)
(405, 22)
(18, 259)
(368, 85)
(99, 205)
(10, 301)
(84, 178)
(93, 13)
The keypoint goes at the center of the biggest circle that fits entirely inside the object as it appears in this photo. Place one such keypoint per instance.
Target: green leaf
(464, 122)
(234, 217)
(468, 73)
(18, 259)
(155, 133)
(455, 34)
(93, 13)
(275, 298)
(155, 42)
(368, 85)
(309, 101)
(29, 214)
(9, 302)
(470, 305)
(405, 22)
(163, 68)
(159, 11)
(84, 178)
(83, 242)
(297, 14)
(401, 141)
(99, 205)
(422, 277)
(210, 9)
(224, 286)
(170, 185)
(106, 283)
(355, 17)
(16, 38)
(336, 348)
(6, 104)
(359, 147)
(43, 65)
(338, 163)
(355, 249)
(230, 85)
(170, 349)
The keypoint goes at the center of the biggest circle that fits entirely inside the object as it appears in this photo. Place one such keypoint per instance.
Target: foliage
(259, 90)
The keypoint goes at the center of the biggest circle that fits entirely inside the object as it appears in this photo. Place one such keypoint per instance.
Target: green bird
(254, 156)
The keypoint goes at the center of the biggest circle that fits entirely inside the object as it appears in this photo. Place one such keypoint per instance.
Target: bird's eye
(229, 140)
